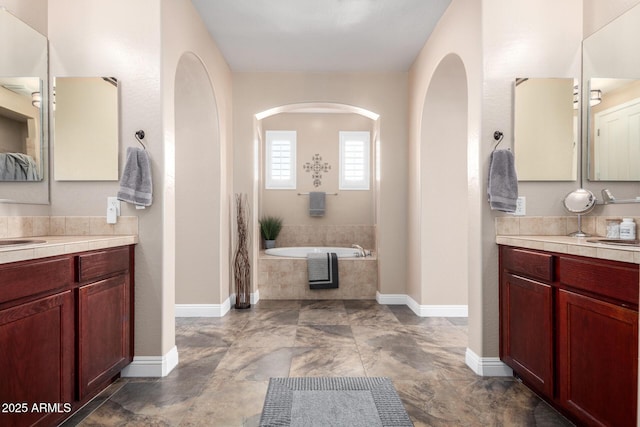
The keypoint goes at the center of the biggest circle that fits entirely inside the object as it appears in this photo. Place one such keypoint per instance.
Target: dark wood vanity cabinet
(104, 318)
(65, 332)
(527, 330)
(569, 330)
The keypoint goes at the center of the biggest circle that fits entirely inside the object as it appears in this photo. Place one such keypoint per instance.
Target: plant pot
(269, 244)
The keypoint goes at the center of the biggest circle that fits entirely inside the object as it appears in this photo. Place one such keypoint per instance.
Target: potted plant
(270, 227)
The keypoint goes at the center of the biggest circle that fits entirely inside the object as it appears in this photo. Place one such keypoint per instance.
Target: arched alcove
(197, 186)
(314, 109)
(443, 190)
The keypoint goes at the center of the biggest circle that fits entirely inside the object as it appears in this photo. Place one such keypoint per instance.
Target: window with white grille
(354, 160)
(280, 159)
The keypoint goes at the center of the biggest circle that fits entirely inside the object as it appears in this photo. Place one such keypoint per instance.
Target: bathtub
(285, 275)
(302, 251)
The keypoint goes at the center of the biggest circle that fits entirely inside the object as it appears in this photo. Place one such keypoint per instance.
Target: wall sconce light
(595, 97)
(36, 99)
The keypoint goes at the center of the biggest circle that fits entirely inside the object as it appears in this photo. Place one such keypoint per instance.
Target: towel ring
(140, 136)
(498, 136)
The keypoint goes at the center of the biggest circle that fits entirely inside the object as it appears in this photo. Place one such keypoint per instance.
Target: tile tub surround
(327, 235)
(286, 278)
(30, 226)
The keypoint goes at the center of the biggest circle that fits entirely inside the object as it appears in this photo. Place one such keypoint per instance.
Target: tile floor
(226, 363)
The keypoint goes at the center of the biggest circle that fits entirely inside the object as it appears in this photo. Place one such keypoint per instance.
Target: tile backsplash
(552, 225)
(31, 226)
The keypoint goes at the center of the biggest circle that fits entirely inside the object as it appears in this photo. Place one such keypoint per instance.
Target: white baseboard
(487, 366)
(211, 310)
(391, 299)
(203, 310)
(423, 310)
(152, 366)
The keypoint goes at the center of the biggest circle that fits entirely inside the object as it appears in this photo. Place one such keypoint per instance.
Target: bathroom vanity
(569, 325)
(66, 325)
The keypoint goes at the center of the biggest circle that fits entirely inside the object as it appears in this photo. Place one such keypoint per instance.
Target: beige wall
(183, 31)
(497, 41)
(531, 41)
(458, 34)
(94, 38)
(318, 134)
(382, 93)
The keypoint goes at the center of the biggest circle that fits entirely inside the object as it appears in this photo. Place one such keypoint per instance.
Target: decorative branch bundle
(241, 264)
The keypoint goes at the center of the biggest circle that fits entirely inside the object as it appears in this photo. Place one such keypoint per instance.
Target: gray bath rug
(323, 402)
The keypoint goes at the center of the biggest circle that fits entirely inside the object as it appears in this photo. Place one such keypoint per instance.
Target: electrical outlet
(113, 210)
(521, 206)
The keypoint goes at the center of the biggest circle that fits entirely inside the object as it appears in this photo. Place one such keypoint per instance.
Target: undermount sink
(621, 242)
(11, 242)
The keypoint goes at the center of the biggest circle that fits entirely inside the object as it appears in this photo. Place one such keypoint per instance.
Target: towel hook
(140, 136)
(498, 136)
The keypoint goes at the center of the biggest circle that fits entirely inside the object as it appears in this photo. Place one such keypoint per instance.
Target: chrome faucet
(607, 197)
(361, 251)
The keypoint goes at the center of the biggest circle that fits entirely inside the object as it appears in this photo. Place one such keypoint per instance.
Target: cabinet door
(598, 360)
(36, 360)
(103, 332)
(526, 322)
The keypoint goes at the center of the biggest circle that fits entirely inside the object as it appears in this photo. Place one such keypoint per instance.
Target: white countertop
(60, 245)
(574, 246)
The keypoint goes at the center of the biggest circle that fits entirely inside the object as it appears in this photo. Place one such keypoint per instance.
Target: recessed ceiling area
(320, 35)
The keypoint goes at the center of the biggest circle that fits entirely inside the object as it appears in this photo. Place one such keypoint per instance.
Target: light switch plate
(521, 206)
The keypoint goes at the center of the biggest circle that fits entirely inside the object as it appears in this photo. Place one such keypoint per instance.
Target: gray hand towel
(322, 269)
(503, 181)
(135, 183)
(317, 203)
(18, 167)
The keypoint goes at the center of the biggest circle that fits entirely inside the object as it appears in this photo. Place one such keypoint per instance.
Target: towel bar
(328, 194)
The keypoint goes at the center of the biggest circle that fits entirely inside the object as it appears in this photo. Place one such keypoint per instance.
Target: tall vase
(241, 265)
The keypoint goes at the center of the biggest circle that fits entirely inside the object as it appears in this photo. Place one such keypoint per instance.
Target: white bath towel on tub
(323, 270)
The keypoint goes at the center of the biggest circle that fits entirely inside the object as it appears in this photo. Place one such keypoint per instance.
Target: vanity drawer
(94, 265)
(528, 263)
(610, 279)
(22, 279)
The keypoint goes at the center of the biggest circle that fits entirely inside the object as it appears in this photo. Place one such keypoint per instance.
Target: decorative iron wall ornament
(316, 168)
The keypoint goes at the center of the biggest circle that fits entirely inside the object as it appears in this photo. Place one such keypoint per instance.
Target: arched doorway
(443, 189)
(197, 193)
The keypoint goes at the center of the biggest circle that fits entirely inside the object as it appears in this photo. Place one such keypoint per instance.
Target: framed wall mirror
(546, 129)
(85, 129)
(23, 112)
(613, 99)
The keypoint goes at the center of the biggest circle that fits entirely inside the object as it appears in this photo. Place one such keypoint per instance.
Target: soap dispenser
(627, 229)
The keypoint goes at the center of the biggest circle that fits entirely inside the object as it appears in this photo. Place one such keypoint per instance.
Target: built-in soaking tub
(282, 274)
(302, 251)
